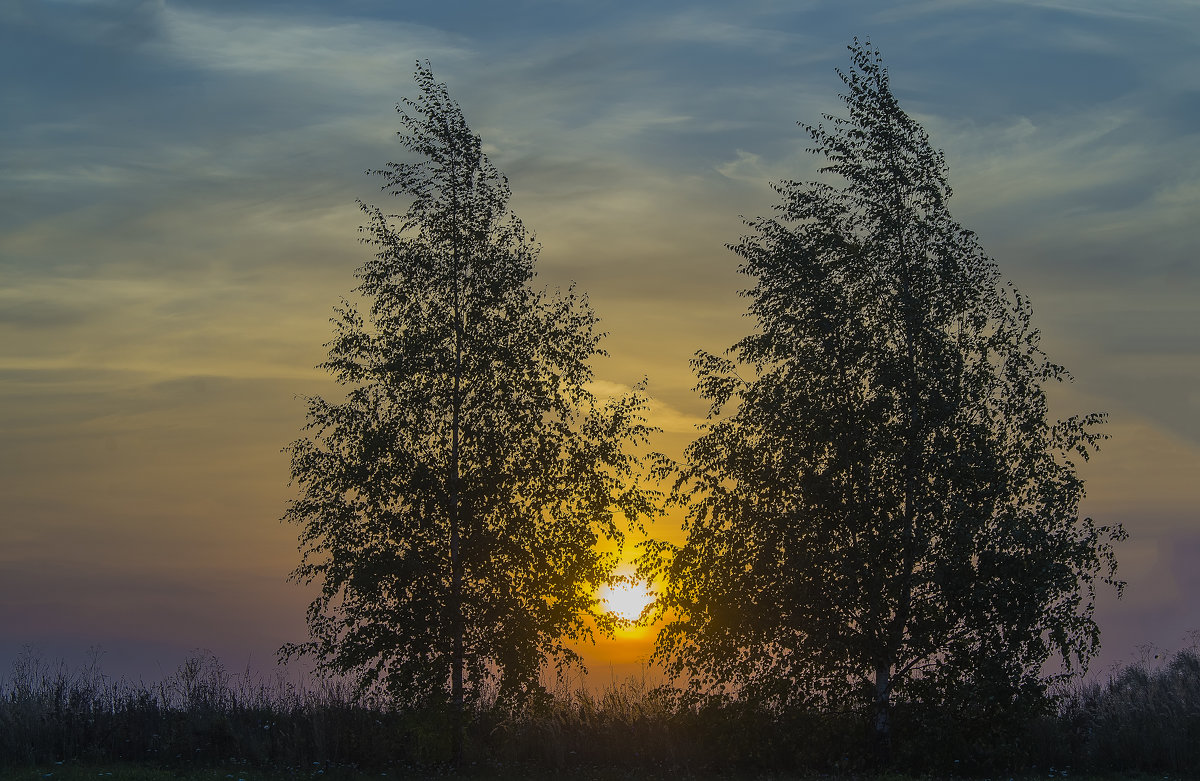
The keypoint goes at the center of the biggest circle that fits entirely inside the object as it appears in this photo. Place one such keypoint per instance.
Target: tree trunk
(456, 618)
(883, 715)
(456, 568)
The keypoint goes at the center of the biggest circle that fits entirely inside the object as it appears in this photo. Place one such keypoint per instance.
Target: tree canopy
(879, 506)
(450, 505)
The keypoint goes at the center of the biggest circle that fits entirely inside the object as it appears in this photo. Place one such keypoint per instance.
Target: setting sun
(625, 599)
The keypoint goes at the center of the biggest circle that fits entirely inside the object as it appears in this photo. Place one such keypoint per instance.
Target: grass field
(133, 772)
(206, 723)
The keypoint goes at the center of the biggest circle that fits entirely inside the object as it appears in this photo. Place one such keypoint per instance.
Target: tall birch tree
(450, 505)
(879, 505)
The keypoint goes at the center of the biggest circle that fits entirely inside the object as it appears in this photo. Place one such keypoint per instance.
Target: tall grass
(201, 713)
(1145, 717)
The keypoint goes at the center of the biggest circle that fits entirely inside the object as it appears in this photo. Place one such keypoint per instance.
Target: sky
(178, 218)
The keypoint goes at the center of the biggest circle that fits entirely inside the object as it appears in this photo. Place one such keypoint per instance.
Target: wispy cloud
(708, 26)
(660, 414)
(746, 167)
(323, 52)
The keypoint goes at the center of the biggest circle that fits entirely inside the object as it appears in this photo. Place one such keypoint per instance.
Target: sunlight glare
(625, 600)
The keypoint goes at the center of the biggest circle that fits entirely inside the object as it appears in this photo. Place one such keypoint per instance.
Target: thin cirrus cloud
(659, 413)
(324, 54)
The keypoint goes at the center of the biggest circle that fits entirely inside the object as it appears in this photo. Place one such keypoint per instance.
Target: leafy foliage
(878, 505)
(450, 505)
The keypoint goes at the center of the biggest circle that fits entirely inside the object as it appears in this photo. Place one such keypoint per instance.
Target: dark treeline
(1145, 717)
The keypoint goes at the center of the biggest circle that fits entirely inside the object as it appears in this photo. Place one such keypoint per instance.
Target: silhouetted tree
(885, 511)
(450, 505)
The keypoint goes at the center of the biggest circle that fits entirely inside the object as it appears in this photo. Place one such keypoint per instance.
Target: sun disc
(626, 599)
